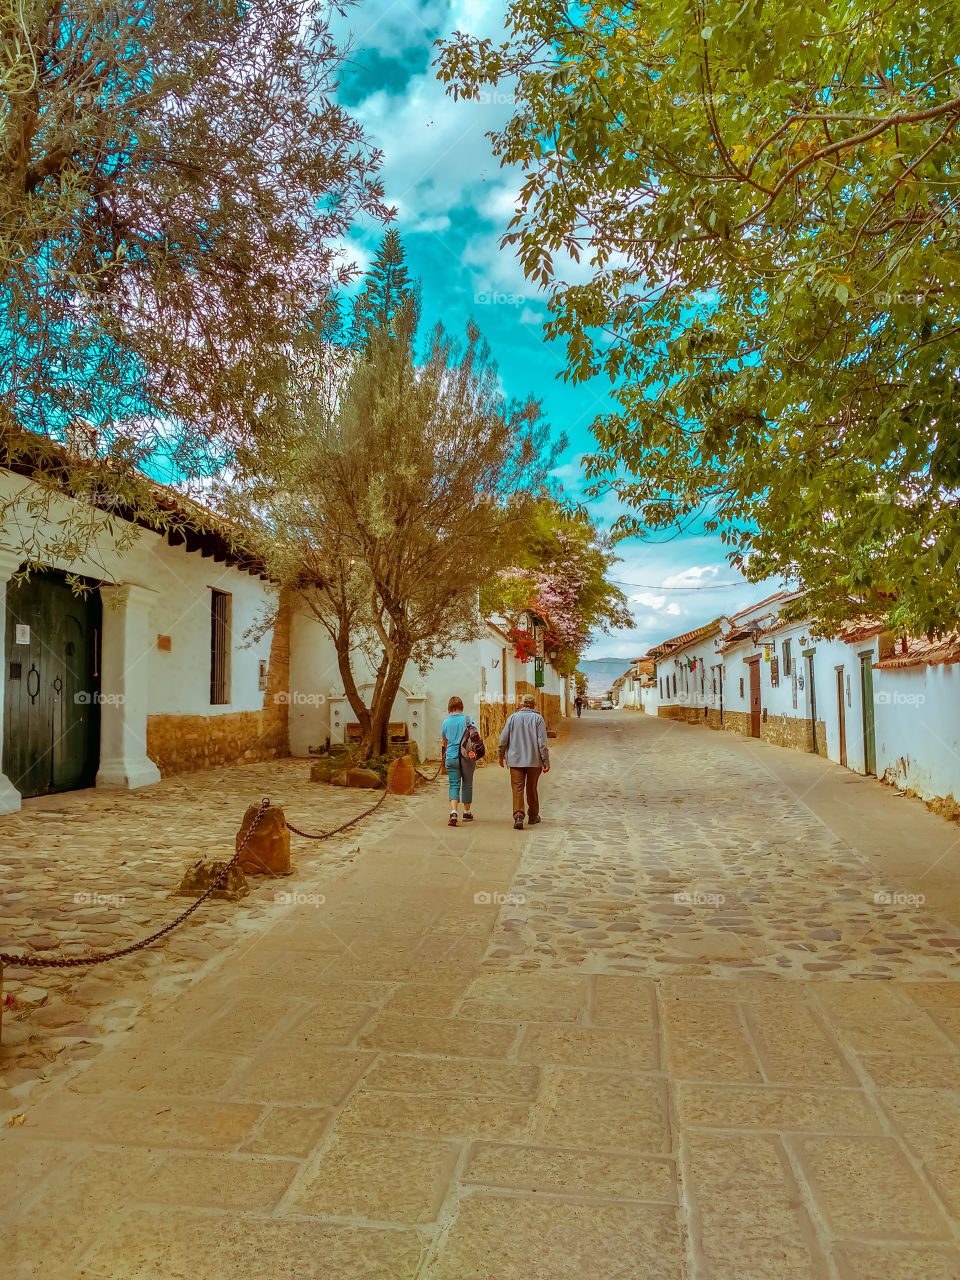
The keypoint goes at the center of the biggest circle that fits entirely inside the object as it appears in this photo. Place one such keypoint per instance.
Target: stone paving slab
(398, 1104)
(95, 870)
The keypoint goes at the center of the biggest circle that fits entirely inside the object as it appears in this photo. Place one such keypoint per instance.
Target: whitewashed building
(162, 665)
(871, 703)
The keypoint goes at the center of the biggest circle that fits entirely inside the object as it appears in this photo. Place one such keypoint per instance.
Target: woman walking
(460, 768)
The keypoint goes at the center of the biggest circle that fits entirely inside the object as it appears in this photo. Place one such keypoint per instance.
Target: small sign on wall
(22, 635)
(262, 676)
(164, 643)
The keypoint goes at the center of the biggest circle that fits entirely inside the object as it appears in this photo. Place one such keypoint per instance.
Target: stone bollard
(268, 849)
(198, 879)
(402, 776)
(357, 777)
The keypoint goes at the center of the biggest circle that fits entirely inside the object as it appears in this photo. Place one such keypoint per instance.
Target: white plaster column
(10, 562)
(124, 680)
(339, 714)
(417, 721)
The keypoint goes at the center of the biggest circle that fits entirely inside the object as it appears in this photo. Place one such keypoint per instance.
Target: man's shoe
(518, 822)
(452, 820)
(468, 817)
(533, 819)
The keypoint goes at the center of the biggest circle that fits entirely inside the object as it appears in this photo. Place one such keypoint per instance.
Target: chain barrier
(77, 962)
(325, 835)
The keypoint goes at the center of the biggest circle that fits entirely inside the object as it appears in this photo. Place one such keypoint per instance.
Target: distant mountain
(601, 673)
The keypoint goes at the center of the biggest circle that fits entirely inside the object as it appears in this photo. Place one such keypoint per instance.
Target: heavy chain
(76, 962)
(325, 835)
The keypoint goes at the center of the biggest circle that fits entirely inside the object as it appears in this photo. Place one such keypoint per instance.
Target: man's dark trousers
(526, 778)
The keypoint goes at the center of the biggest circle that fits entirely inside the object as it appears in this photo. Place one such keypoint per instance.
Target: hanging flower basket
(526, 644)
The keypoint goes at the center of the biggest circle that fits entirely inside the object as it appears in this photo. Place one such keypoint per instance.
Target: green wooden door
(869, 724)
(51, 738)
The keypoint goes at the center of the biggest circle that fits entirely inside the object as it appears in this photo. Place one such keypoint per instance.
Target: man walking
(523, 748)
(579, 705)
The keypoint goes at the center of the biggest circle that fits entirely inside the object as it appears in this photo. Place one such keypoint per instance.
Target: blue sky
(454, 202)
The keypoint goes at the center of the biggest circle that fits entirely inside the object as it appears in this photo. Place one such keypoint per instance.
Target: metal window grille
(787, 662)
(220, 602)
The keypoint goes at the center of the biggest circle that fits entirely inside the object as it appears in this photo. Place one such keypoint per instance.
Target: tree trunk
(375, 739)
(353, 693)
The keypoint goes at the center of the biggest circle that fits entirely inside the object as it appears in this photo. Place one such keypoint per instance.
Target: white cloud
(647, 599)
(697, 575)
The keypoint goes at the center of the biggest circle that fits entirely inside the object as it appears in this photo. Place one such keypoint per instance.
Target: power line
(647, 586)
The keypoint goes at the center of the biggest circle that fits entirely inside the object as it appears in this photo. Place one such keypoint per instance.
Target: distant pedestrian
(523, 748)
(579, 705)
(460, 767)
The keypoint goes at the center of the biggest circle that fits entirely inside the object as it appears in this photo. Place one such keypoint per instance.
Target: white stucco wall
(918, 728)
(179, 583)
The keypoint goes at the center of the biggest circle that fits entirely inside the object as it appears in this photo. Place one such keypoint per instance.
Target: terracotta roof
(202, 529)
(778, 598)
(680, 642)
(924, 652)
(865, 629)
(499, 630)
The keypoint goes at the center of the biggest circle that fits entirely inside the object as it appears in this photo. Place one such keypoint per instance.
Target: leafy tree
(768, 198)
(173, 182)
(387, 288)
(580, 683)
(559, 571)
(370, 499)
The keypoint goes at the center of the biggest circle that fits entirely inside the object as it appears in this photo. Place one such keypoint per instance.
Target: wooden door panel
(51, 736)
(755, 698)
(869, 723)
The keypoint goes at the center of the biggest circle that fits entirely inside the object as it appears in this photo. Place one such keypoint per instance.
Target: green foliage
(769, 198)
(362, 493)
(174, 180)
(387, 290)
(580, 683)
(559, 569)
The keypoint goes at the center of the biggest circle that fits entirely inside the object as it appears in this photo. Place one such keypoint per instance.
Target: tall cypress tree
(387, 289)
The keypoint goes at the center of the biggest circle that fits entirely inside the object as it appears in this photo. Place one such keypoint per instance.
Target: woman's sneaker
(468, 817)
(452, 820)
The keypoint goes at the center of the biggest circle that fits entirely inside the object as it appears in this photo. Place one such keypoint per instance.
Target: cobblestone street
(703, 1023)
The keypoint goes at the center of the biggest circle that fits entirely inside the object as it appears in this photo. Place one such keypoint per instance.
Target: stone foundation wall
(793, 732)
(713, 718)
(737, 722)
(677, 711)
(181, 744)
(491, 719)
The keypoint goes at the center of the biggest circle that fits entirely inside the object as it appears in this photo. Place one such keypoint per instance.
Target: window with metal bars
(220, 617)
